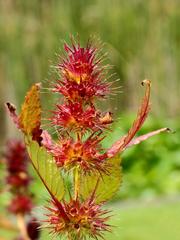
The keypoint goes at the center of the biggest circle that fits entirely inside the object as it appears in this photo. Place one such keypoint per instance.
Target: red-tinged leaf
(46, 140)
(121, 144)
(29, 120)
(105, 185)
(12, 111)
(146, 136)
(30, 116)
(46, 168)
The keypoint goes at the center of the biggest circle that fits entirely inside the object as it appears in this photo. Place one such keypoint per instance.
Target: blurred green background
(142, 41)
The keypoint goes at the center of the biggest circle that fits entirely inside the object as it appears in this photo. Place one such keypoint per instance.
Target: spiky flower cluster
(81, 74)
(96, 172)
(70, 153)
(82, 82)
(84, 219)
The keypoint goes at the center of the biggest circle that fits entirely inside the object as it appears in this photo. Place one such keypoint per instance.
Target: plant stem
(69, 237)
(76, 182)
(22, 226)
(76, 173)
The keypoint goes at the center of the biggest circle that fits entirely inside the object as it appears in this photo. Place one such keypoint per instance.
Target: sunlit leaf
(30, 116)
(46, 168)
(107, 185)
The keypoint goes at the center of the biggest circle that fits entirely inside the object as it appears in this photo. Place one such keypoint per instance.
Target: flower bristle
(85, 219)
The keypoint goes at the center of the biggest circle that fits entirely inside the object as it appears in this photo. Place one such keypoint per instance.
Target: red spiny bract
(76, 117)
(81, 74)
(86, 155)
(85, 219)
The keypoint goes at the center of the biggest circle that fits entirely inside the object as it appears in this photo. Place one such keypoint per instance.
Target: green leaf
(46, 168)
(107, 185)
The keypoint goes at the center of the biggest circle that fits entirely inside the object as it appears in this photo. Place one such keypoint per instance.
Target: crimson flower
(20, 204)
(16, 161)
(76, 117)
(84, 154)
(83, 219)
(82, 75)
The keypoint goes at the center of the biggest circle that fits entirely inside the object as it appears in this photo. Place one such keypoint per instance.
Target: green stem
(76, 182)
(22, 226)
(69, 237)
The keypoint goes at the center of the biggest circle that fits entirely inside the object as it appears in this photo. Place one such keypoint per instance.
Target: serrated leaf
(107, 184)
(46, 168)
(30, 116)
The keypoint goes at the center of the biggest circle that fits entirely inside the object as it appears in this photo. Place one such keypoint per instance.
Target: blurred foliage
(142, 41)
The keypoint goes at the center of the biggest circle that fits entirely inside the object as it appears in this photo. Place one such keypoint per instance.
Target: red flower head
(16, 159)
(83, 219)
(82, 74)
(20, 204)
(83, 154)
(16, 156)
(75, 117)
(18, 180)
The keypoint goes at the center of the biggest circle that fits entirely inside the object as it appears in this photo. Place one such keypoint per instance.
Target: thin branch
(76, 182)
(22, 226)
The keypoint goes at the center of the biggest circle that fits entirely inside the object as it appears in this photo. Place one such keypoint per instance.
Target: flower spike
(95, 173)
